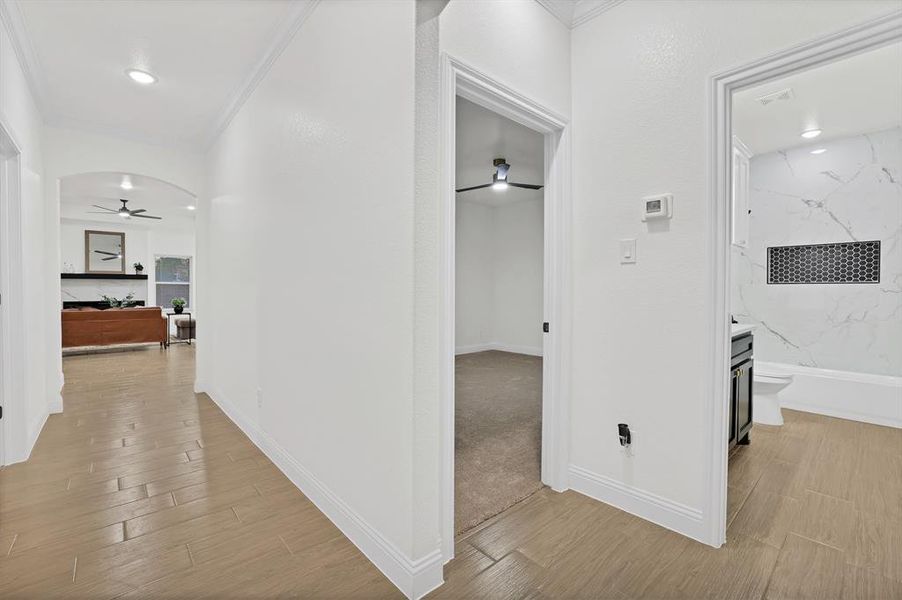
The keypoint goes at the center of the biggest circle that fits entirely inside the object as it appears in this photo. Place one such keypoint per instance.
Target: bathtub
(857, 396)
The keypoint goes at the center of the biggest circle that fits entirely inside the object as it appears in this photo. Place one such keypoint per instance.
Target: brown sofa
(93, 327)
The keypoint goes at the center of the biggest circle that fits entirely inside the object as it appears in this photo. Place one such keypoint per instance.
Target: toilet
(766, 403)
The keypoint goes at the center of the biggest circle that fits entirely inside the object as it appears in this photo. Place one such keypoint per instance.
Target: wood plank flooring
(142, 489)
(815, 511)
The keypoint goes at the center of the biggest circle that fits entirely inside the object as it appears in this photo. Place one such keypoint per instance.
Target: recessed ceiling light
(819, 151)
(191, 207)
(126, 183)
(811, 133)
(142, 77)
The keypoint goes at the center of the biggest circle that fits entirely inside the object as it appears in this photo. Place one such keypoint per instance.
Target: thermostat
(657, 207)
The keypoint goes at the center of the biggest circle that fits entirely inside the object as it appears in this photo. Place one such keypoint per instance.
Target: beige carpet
(498, 433)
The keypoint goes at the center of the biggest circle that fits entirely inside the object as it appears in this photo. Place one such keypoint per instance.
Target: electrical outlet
(259, 397)
(629, 450)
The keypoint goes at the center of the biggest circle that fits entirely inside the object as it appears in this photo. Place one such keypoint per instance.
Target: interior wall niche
(846, 262)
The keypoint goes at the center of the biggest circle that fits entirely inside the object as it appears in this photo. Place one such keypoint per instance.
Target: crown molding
(14, 22)
(281, 39)
(576, 12)
(562, 10)
(586, 10)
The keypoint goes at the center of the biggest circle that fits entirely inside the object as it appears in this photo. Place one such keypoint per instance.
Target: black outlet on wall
(623, 430)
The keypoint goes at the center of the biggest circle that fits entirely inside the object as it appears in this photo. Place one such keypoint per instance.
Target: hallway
(143, 488)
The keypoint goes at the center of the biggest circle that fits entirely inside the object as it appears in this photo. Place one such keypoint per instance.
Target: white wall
(474, 301)
(22, 118)
(499, 275)
(517, 42)
(850, 192)
(142, 244)
(309, 213)
(640, 332)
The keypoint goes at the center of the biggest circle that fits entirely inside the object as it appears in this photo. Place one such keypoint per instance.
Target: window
(173, 276)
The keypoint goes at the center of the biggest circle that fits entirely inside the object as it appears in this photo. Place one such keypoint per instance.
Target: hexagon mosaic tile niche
(847, 262)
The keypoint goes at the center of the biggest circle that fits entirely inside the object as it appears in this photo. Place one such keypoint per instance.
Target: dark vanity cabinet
(741, 380)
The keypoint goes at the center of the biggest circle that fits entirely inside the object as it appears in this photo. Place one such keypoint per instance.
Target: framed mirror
(104, 252)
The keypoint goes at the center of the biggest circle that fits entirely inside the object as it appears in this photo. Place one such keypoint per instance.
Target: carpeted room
(499, 267)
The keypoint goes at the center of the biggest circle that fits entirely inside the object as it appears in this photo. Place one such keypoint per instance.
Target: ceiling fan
(123, 212)
(499, 179)
(111, 255)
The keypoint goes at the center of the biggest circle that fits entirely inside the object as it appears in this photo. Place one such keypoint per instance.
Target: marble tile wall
(93, 289)
(851, 192)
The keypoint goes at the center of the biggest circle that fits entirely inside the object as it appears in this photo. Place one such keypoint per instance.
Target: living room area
(127, 269)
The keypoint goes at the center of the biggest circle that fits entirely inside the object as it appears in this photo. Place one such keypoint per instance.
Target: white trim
(415, 578)
(646, 505)
(562, 11)
(512, 348)
(458, 79)
(16, 430)
(572, 13)
(11, 16)
(290, 26)
(586, 10)
(854, 40)
(864, 397)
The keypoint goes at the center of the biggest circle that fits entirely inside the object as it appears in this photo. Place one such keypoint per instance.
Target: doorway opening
(127, 241)
(546, 376)
(498, 313)
(817, 452)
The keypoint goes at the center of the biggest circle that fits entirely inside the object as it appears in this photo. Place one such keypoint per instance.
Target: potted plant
(139, 268)
(178, 305)
(126, 302)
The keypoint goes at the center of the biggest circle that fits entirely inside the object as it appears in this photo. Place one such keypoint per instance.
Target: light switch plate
(627, 251)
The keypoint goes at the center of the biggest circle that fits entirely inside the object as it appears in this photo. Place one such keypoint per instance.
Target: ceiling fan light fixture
(499, 185)
(142, 77)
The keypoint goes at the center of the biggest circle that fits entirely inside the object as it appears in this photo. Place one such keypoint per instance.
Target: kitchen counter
(737, 329)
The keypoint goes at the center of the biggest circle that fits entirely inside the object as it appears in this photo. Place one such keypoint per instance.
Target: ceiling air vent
(775, 97)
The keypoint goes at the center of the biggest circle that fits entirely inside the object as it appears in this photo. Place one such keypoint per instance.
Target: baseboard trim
(415, 578)
(34, 432)
(528, 350)
(672, 515)
(848, 415)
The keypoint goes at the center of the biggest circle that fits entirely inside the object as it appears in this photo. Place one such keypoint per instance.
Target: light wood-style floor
(815, 511)
(143, 489)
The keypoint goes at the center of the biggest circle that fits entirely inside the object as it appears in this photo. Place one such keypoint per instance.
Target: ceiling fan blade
(475, 187)
(527, 186)
(140, 210)
(104, 208)
(145, 216)
(111, 258)
(115, 254)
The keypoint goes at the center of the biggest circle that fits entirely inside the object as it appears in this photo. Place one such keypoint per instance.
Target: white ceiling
(848, 97)
(483, 136)
(206, 55)
(79, 192)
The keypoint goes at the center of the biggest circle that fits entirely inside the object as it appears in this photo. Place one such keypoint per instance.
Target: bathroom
(816, 274)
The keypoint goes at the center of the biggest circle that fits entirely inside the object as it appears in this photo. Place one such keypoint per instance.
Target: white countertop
(737, 329)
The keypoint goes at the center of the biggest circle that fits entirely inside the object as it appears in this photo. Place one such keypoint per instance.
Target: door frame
(459, 79)
(13, 425)
(818, 52)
